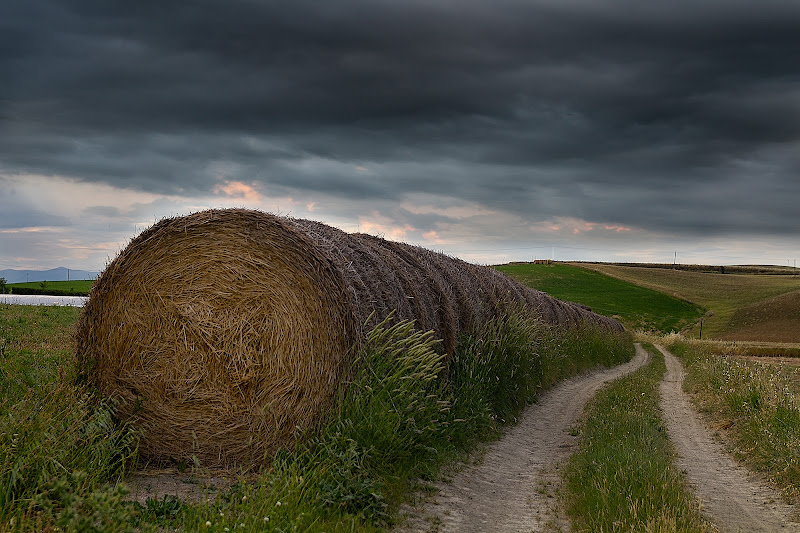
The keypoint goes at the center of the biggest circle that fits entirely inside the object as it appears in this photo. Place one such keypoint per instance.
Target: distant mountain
(54, 274)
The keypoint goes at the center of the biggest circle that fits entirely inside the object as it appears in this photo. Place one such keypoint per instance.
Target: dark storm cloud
(665, 115)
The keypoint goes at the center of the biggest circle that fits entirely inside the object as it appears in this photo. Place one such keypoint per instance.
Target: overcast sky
(495, 131)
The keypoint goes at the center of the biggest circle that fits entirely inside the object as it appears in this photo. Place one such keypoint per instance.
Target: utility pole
(675, 260)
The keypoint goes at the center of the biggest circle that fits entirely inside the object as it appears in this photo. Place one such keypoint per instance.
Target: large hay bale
(225, 333)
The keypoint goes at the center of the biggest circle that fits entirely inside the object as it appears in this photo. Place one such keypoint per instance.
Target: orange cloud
(432, 236)
(238, 189)
(32, 229)
(576, 226)
(381, 225)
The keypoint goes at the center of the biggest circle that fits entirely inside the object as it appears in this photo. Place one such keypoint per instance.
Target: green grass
(622, 478)
(72, 288)
(756, 405)
(59, 445)
(405, 414)
(723, 295)
(35, 344)
(637, 307)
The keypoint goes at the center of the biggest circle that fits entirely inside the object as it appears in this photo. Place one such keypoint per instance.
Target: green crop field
(636, 307)
(74, 287)
(740, 306)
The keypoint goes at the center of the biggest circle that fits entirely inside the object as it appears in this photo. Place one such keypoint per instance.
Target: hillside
(740, 306)
(635, 306)
(775, 319)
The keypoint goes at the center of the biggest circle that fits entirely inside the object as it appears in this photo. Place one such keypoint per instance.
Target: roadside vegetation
(754, 405)
(54, 288)
(637, 307)
(405, 414)
(740, 306)
(623, 478)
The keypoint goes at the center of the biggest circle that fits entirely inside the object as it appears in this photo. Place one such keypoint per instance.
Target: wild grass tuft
(622, 478)
(65, 444)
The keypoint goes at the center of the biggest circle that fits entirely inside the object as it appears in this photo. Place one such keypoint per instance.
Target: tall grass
(59, 444)
(622, 478)
(56, 455)
(756, 405)
(405, 411)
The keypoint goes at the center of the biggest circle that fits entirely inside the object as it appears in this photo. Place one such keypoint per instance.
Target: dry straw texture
(224, 334)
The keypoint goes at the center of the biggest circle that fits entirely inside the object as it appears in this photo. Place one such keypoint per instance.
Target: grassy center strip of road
(755, 406)
(623, 477)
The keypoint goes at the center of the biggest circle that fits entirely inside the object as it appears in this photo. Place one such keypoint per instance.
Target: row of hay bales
(223, 332)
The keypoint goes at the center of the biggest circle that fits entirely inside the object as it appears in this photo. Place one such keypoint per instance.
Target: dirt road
(735, 499)
(513, 487)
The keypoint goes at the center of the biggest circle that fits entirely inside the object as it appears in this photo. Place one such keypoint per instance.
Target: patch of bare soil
(736, 499)
(158, 484)
(514, 487)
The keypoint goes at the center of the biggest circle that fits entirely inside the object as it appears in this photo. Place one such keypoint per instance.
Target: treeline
(719, 269)
(44, 292)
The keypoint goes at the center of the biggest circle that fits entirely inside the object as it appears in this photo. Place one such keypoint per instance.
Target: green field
(72, 288)
(745, 307)
(636, 307)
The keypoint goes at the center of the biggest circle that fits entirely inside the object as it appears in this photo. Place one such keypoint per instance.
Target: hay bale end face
(220, 333)
(224, 333)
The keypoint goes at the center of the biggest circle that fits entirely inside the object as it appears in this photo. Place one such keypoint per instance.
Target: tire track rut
(513, 488)
(736, 499)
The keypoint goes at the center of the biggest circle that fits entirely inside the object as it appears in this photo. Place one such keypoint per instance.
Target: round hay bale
(224, 334)
(220, 333)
